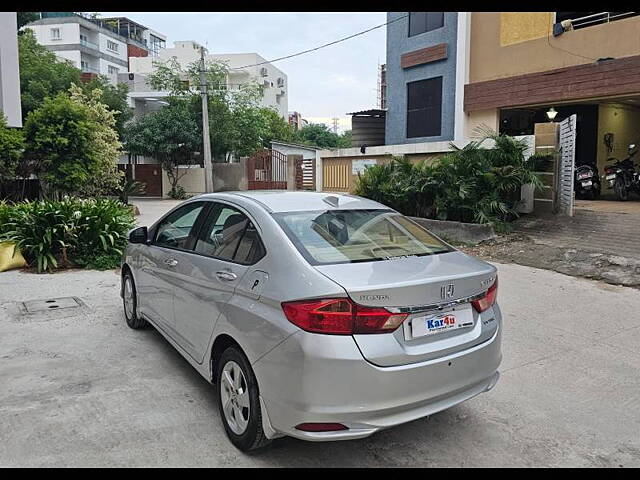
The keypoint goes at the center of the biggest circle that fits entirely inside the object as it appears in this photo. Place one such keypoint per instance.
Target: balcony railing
(600, 17)
(89, 44)
(88, 69)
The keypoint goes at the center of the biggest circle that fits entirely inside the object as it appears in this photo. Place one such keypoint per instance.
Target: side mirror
(138, 235)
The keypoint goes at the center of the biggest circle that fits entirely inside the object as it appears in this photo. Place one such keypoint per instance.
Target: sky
(327, 83)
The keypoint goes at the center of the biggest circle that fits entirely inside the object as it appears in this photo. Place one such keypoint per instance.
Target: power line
(322, 46)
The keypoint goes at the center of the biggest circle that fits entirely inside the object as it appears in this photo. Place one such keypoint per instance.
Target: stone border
(457, 231)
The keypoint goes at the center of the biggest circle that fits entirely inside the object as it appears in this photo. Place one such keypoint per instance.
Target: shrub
(178, 193)
(471, 184)
(53, 234)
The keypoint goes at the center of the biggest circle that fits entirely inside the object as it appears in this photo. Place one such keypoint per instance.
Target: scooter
(587, 182)
(622, 176)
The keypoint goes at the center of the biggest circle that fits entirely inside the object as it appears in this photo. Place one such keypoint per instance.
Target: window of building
(55, 34)
(113, 46)
(112, 70)
(424, 108)
(84, 66)
(421, 22)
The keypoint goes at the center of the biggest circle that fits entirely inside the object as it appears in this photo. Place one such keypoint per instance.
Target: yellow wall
(505, 44)
(516, 27)
(624, 122)
(480, 119)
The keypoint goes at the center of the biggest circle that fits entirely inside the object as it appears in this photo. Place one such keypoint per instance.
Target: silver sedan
(315, 315)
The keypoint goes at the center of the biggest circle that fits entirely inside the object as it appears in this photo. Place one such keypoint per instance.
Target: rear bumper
(324, 378)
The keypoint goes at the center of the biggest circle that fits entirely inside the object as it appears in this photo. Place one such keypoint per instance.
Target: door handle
(172, 262)
(227, 276)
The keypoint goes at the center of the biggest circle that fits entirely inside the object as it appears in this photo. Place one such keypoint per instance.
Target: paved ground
(631, 206)
(84, 389)
(601, 231)
(152, 209)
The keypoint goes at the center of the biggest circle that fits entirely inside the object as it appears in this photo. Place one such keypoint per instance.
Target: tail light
(340, 316)
(489, 298)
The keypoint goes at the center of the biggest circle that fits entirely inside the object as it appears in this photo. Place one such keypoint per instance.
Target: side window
(421, 22)
(174, 230)
(229, 235)
(424, 108)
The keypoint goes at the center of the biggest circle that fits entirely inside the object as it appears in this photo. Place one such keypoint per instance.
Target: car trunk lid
(422, 286)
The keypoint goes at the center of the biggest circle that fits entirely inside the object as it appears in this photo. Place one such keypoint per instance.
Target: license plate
(610, 177)
(588, 183)
(432, 324)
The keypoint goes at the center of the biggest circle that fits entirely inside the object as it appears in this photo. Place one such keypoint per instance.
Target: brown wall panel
(424, 55)
(613, 77)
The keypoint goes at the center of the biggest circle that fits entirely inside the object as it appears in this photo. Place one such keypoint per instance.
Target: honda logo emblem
(446, 291)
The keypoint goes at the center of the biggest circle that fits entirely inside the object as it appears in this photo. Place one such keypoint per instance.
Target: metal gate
(306, 174)
(566, 165)
(267, 170)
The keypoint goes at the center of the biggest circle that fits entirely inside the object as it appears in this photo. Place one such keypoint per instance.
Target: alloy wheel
(234, 395)
(128, 298)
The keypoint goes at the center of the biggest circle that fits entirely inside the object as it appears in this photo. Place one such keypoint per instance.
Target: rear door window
(228, 234)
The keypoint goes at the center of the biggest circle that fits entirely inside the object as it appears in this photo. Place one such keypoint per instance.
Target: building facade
(425, 72)
(95, 46)
(10, 105)
(587, 64)
(244, 69)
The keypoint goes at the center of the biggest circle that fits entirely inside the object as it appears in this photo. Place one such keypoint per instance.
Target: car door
(174, 235)
(223, 251)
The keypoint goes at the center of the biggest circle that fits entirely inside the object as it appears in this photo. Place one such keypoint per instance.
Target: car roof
(288, 201)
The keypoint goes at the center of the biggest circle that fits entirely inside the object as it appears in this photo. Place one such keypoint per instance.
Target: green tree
(73, 142)
(11, 148)
(42, 75)
(237, 124)
(275, 127)
(170, 135)
(114, 97)
(318, 135)
(345, 139)
(26, 17)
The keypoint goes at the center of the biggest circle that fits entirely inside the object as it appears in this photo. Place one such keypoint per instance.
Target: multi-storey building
(448, 73)
(96, 45)
(244, 68)
(425, 74)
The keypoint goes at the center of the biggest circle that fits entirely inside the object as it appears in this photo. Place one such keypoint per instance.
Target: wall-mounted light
(551, 114)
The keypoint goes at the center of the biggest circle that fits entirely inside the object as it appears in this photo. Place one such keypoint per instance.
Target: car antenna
(331, 200)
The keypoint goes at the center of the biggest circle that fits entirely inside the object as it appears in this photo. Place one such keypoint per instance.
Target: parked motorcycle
(622, 176)
(587, 182)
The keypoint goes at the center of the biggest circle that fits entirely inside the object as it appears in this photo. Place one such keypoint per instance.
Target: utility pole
(206, 142)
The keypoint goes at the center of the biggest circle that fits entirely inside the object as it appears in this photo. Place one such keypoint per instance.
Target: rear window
(348, 236)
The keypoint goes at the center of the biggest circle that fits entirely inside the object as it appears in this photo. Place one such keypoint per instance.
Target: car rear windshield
(348, 236)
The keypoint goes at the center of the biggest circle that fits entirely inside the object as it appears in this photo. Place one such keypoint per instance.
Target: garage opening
(605, 129)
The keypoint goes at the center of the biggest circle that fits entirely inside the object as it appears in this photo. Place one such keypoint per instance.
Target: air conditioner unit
(263, 71)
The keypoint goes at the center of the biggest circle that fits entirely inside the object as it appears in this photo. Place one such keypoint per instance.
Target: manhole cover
(50, 304)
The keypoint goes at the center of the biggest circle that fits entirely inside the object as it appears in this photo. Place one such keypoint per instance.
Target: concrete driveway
(79, 388)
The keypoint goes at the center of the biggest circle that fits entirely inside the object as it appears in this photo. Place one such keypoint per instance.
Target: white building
(10, 104)
(243, 70)
(96, 46)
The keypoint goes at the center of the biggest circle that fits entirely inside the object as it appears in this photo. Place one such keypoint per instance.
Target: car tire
(130, 303)
(243, 425)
